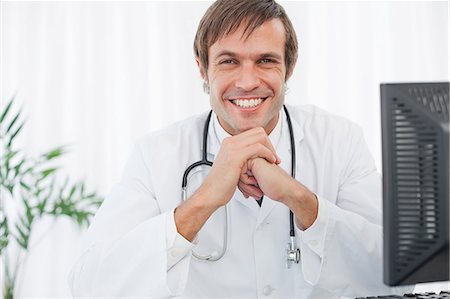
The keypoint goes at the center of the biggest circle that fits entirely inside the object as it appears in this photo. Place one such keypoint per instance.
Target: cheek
(275, 80)
(219, 85)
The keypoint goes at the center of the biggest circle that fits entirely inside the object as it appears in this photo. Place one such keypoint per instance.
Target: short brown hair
(225, 16)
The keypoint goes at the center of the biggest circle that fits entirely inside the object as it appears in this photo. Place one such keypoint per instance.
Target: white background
(98, 75)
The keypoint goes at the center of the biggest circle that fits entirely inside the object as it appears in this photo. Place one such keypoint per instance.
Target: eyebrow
(233, 54)
(271, 55)
(225, 53)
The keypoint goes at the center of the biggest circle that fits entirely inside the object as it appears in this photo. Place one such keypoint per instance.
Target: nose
(247, 78)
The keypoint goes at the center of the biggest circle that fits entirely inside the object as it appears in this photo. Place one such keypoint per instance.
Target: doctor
(146, 242)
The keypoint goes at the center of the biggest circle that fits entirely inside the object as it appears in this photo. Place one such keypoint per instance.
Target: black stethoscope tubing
(204, 160)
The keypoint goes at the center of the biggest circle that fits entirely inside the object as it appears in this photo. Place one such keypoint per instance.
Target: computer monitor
(415, 148)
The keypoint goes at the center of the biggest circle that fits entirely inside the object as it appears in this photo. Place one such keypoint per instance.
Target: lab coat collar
(216, 133)
(221, 134)
(279, 138)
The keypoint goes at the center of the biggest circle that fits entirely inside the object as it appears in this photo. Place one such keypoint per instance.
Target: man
(144, 237)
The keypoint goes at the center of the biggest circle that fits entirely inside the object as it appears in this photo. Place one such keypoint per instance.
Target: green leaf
(23, 237)
(10, 155)
(23, 222)
(42, 205)
(82, 217)
(61, 190)
(38, 192)
(18, 166)
(13, 121)
(13, 135)
(34, 179)
(72, 191)
(4, 234)
(7, 169)
(5, 112)
(54, 153)
(3, 243)
(91, 195)
(47, 172)
(25, 186)
(10, 188)
(28, 170)
(28, 212)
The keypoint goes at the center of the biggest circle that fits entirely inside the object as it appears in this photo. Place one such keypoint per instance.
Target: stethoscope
(292, 252)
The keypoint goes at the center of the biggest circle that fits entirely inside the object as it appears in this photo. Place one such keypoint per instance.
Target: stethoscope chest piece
(292, 254)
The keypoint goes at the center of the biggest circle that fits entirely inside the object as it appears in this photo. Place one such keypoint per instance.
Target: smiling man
(290, 207)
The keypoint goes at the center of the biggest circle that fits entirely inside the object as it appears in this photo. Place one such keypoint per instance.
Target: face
(246, 78)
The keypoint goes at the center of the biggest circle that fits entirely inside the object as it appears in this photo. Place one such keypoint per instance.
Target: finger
(248, 180)
(244, 168)
(261, 136)
(246, 195)
(251, 190)
(252, 136)
(259, 151)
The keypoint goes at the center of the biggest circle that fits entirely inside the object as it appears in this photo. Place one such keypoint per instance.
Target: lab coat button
(267, 290)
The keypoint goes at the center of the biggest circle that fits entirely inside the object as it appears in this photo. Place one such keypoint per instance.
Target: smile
(248, 103)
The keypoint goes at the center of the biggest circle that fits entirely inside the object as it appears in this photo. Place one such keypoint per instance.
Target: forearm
(280, 186)
(303, 203)
(192, 214)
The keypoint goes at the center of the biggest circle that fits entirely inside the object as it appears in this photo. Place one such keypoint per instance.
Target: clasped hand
(250, 162)
(247, 161)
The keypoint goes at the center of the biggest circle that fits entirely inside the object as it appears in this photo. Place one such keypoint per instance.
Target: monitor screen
(415, 148)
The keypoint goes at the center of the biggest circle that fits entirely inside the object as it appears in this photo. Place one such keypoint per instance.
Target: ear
(288, 75)
(200, 68)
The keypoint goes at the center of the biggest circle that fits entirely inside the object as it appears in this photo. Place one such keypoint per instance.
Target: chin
(248, 126)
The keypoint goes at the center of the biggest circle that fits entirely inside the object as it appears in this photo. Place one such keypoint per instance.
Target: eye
(227, 61)
(266, 60)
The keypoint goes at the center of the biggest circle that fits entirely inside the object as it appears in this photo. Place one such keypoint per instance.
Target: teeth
(248, 103)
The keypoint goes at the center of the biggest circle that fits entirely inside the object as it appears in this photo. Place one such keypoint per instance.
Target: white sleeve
(177, 246)
(126, 247)
(178, 256)
(342, 250)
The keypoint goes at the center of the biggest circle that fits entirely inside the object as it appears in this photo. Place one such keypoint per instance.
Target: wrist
(192, 214)
(203, 199)
(303, 203)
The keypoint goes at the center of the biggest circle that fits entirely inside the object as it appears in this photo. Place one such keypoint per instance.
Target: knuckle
(260, 130)
(260, 147)
(226, 141)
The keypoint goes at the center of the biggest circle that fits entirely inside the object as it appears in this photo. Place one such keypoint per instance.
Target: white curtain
(98, 75)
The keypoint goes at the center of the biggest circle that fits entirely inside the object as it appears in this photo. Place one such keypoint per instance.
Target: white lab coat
(130, 242)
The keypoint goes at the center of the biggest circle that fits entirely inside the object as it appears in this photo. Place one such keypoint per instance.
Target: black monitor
(415, 148)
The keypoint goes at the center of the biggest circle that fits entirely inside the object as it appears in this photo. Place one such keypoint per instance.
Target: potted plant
(31, 187)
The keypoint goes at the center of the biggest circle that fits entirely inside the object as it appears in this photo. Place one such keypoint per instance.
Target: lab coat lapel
(213, 143)
(250, 202)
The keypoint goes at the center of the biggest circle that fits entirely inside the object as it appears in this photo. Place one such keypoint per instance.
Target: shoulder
(175, 134)
(317, 121)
